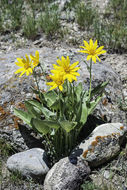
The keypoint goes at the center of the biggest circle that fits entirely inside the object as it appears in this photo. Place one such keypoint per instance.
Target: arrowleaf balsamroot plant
(61, 112)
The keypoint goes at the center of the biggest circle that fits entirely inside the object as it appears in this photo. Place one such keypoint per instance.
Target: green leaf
(47, 113)
(78, 91)
(67, 125)
(84, 113)
(40, 126)
(92, 105)
(52, 124)
(31, 110)
(55, 105)
(50, 97)
(35, 103)
(44, 126)
(25, 116)
(98, 89)
(85, 97)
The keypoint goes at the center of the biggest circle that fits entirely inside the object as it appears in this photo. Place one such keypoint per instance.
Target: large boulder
(66, 176)
(102, 144)
(11, 93)
(32, 163)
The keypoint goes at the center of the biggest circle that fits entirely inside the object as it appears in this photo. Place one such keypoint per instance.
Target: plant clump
(60, 113)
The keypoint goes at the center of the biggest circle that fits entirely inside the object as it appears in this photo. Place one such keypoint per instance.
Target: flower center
(67, 69)
(26, 66)
(92, 52)
(59, 80)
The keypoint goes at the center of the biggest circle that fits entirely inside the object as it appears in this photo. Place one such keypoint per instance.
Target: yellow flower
(25, 64)
(57, 81)
(92, 50)
(64, 67)
(35, 59)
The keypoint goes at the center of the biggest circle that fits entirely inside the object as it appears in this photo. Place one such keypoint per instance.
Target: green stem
(42, 71)
(73, 94)
(67, 87)
(88, 68)
(36, 80)
(34, 74)
(90, 77)
(60, 105)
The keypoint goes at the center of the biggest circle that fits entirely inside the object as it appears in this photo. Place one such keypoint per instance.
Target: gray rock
(11, 85)
(61, 4)
(102, 144)
(29, 163)
(14, 137)
(68, 15)
(66, 176)
(100, 5)
(106, 174)
(21, 139)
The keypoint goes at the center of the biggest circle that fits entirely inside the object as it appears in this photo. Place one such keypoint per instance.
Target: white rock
(106, 174)
(102, 144)
(29, 163)
(66, 176)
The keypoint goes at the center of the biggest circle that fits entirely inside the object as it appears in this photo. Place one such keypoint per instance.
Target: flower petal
(98, 58)
(95, 45)
(20, 60)
(30, 70)
(19, 64)
(37, 55)
(56, 66)
(83, 47)
(75, 69)
(53, 87)
(27, 58)
(74, 65)
(75, 73)
(22, 73)
(83, 51)
(89, 57)
(86, 44)
(94, 59)
(61, 87)
(50, 83)
(99, 49)
(91, 43)
(19, 70)
(101, 52)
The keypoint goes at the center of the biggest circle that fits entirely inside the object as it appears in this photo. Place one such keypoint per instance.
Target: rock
(10, 84)
(106, 174)
(32, 163)
(13, 137)
(66, 176)
(69, 16)
(21, 139)
(37, 42)
(102, 144)
(61, 4)
(100, 5)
